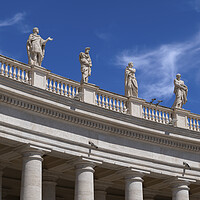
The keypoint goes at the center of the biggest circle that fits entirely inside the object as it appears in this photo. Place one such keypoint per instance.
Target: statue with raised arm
(86, 64)
(180, 90)
(131, 86)
(36, 48)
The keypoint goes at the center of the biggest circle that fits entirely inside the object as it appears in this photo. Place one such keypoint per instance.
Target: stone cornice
(24, 91)
(52, 112)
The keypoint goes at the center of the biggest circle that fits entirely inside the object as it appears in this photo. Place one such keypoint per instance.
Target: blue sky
(161, 38)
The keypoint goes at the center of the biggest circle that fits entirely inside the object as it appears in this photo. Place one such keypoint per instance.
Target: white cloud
(157, 68)
(102, 36)
(195, 4)
(11, 21)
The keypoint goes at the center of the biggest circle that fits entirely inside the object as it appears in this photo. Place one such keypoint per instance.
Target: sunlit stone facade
(62, 140)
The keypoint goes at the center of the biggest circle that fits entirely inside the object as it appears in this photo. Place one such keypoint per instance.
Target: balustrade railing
(157, 113)
(62, 86)
(15, 70)
(193, 122)
(111, 101)
(21, 72)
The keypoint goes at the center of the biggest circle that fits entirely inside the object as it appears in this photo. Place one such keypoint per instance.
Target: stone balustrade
(111, 101)
(193, 122)
(157, 113)
(15, 70)
(42, 78)
(61, 85)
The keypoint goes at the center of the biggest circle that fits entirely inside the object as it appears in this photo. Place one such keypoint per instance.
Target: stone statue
(131, 86)
(180, 90)
(86, 64)
(36, 48)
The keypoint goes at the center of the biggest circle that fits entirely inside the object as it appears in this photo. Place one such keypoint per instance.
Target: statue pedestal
(39, 76)
(180, 115)
(135, 106)
(89, 92)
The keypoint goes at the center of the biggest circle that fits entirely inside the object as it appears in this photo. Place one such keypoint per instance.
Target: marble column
(84, 183)
(180, 190)
(100, 189)
(31, 182)
(133, 186)
(49, 186)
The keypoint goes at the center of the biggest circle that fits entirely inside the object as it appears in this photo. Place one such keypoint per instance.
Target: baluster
(14, 73)
(117, 105)
(10, 72)
(50, 85)
(145, 113)
(197, 125)
(103, 101)
(157, 117)
(26, 76)
(160, 116)
(22, 75)
(167, 118)
(99, 100)
(6, 69)
(149, 114)
(121, 106)
(114, 108)
(2, 69)
(194, 124)
(110, 103)
(76, 90)
(54, 86)
(58, 88)
(106, 97)
(61, 88)
(153, 115)
(190, 123)
(73, 91)
(18, 73)
(164, 117)
(124, 107)
(69, 91)
(65, 89)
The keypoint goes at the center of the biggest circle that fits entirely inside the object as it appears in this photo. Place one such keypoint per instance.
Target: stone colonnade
(31, 183)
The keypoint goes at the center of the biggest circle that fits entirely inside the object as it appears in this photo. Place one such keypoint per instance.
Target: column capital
(102, 185)
(31, 150)
(49, 177)
(181, 182)
(83, 161)
(131, 172)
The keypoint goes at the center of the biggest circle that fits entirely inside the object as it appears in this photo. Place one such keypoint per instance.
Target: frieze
(97, 125)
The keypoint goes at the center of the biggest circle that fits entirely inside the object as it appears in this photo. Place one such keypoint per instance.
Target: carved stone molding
(98, 125)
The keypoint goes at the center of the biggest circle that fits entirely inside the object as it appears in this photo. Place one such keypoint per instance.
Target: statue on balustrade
(86, 64)
(131, 86)
(36, 48)
(180, 90)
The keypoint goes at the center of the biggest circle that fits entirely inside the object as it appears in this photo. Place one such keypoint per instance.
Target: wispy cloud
(157, 68)
(102, 36)
(195, 4)
(11, 21)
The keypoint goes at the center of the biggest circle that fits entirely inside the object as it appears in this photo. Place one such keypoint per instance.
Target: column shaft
(49, 190)
(31, 186)
(180, 191)
(100, 195)
(134, 188)
(84, 184)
